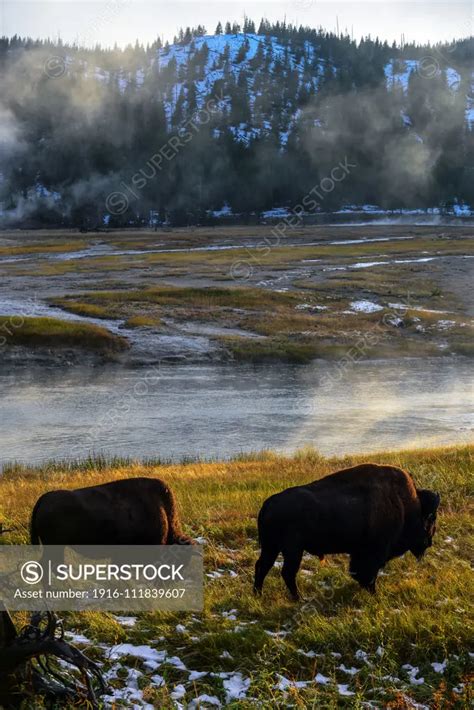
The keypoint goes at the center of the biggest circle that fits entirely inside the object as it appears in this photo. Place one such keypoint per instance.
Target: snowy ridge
(223, 61)
(233, 56)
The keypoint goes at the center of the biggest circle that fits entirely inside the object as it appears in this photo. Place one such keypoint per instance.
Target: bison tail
(175, 534)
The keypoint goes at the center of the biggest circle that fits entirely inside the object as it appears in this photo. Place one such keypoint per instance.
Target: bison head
(429, 503)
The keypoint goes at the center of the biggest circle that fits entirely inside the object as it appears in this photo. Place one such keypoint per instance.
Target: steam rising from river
(373, 406)
(218, 411)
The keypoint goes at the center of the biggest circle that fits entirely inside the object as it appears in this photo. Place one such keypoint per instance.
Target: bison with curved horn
(132, 511)
(371, 512)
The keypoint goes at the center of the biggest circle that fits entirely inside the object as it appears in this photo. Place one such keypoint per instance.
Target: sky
(107, 22)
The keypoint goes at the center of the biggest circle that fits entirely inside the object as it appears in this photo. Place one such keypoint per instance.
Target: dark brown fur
(371, 512)
(133, 511)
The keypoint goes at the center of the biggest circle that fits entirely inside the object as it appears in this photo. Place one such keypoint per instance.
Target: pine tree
(242, 53)
(191, 98)
(178, 115)
(257, 61)
(249, 26)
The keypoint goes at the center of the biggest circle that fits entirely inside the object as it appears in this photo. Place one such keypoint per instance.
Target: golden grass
(90, 310)
(267, 252)
(422, 613)
(142, 322)
(48, 248)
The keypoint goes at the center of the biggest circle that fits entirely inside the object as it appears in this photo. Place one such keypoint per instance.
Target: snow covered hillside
(288, 105)
(217, 61)
(214, 66)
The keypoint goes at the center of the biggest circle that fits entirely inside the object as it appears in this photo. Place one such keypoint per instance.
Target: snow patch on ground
(236, 687)
(178, 692)
(286, 684)
(413, 674)
(365, 307)
(203, 700)
(349, 671)
(309, 307)
(145, 653)
(309, 654)
(446, 324)
(76, 638)
(126, 620)
(128, 694)
(197, 675)
(225, 211)
(344, 689)
(321, 679)
(277, 212)
(230, 615)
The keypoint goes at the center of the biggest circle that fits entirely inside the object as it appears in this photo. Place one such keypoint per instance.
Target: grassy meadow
(410, 646)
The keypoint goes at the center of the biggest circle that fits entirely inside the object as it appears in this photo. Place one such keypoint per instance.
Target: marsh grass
(48, 248)
(56, 333)
(422, 613)
(291, 327)
(279, 349)
(403, 283)
(89, 310)
(265, 252)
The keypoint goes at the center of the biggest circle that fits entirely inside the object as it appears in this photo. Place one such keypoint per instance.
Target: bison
(371, 512)
(134, 511)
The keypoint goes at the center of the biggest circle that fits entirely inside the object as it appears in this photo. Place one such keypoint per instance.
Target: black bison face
(429, 503)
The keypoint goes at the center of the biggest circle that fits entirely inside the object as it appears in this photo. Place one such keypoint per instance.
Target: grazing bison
(134, 511)
(371, 512)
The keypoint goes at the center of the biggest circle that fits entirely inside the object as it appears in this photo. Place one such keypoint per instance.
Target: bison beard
(371, 512)
(134, 511)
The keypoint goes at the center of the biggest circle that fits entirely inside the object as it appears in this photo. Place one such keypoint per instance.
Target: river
(211, 411)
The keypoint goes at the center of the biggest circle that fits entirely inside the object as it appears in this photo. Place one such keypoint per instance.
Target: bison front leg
(292, 556)
(364, 569)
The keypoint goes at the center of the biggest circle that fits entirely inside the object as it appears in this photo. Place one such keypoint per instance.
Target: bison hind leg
(263, 566)
(292, 555)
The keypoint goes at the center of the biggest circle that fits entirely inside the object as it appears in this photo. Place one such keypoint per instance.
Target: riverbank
(411, 643)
